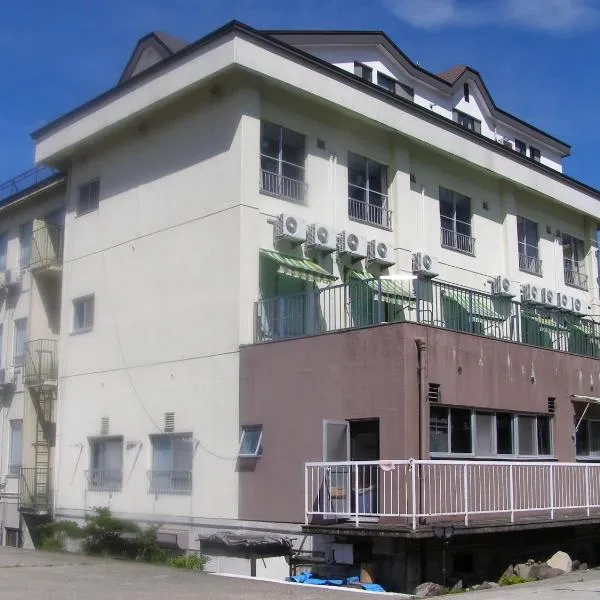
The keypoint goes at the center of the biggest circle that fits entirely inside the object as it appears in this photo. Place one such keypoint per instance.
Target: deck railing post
(466, 492)
(587, 489)
(414, 495)
(356, 519)
(551, 491)
(306, 494)
(512, 493)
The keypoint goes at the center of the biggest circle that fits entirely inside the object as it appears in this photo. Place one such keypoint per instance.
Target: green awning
(390, 290)
(544, 322)
(591, 333)
(479, 306)
(299, 268)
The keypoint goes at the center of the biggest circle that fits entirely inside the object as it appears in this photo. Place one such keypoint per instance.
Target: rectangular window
(251, 441)
(3, 250)
(587, 439)
(466, 121)
(15, 457)
(466, 93)
(455, 218)
(106, 464)
(19, 342)
(521, 147)
(89, 197)
(25, 245)
(488, 434)
(83, 314)
(405, 91)
(574, 261)
(363, 71)
(282, 159)
(386, 82)
(172, 458)
(367, 191)
(535, 154)
(527, 234)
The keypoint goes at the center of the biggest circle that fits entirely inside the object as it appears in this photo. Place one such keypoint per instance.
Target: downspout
(421, 348)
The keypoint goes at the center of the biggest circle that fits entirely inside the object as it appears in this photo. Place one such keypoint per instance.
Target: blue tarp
(311, 579)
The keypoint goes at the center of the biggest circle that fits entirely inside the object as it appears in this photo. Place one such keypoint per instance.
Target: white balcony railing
(457, 241)
(283, 187)
(105, 480)
(530, 264)
(411, 490)
(575, 275)
(170, 482)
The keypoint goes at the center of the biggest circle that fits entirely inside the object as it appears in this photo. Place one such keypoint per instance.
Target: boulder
(486, 585)
(458, 586)
(524, 570)
(510, 570)
(576, 564)
(429, 589)
(582, 567)
(544, 571)
(562, 561)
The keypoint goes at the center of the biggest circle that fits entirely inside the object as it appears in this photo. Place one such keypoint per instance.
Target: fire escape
(40, 369)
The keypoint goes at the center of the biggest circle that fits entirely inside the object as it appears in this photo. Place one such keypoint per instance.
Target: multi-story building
(243, 344)
(31, 208)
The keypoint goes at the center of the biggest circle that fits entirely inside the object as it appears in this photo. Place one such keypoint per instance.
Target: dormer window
(386, 82)
(467, 121)
(466, 92)
(535, 154)
(363, 72)
(521, 147)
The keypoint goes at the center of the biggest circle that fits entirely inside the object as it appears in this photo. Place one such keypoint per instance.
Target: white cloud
(555, 16)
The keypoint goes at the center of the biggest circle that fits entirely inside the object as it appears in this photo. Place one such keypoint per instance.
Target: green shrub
(192, 561)
(513, 580)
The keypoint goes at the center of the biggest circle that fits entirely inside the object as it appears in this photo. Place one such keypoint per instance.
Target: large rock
(458, 586)
(523, 570)
(510, 570)
(582, 567)
(429, 589)
(544, 571)
(562, 561)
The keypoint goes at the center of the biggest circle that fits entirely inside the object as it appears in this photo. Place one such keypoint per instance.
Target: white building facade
(181, 181)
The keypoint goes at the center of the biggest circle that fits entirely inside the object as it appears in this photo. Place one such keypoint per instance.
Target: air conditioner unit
(321, 237)
(11, 278)
(380, 253)
(503, 286)
(564, 302)
(425, 264)
(549, 297)
(351, 244)
(290, 228)
(577, 306)
(531, 294)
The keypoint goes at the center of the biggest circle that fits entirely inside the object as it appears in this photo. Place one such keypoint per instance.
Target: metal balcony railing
(27, 179)
(364, 303)
(530, 264)
(46, 247)
(170, 482)
(104, 480)
(457, 241)
(358, 210)
(460, 491)
(283, 187)
(575, 276)
(41, 362)
(35, 490)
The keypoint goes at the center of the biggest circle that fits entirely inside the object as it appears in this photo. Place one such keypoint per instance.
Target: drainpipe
(421, 348)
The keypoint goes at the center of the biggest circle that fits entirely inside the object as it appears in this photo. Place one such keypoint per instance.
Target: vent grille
(551, 405)
(104, 422)
(434, 393)
(169, 426)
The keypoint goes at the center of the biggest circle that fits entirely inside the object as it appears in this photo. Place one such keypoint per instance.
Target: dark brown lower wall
(290, 387)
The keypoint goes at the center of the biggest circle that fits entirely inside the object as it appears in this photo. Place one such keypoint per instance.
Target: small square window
(89, 196)
(521, 147)
(251, 442)
(83, 314)
(363, 72)
(386, 82)
(535, 154)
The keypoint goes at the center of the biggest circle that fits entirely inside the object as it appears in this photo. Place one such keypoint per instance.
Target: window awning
(544, 322)
(390, 289)
(300, 268)
(479, 306)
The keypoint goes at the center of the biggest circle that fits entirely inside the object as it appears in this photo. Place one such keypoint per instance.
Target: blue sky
(539, 58)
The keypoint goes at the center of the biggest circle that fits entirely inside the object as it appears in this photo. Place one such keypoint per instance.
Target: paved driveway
(25, 574)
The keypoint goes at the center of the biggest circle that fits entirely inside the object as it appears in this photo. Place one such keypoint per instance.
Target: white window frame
(88, 197)
(258, 447)
(86, 327)
(587, 457)
(109, 484)
(515, 436)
